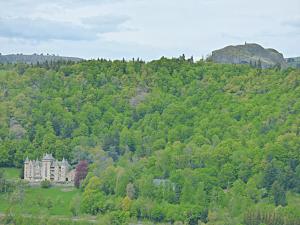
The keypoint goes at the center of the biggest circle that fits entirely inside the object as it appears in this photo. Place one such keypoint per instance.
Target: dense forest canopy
(167, 140)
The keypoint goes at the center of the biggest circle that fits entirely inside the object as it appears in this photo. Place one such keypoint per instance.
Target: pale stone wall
(43, 171)
(26, 170)
(71, 175)
(56, 172)
(30, 170)
(63, 173)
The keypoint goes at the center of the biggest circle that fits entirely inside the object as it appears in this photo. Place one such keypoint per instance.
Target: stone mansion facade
(48, 169)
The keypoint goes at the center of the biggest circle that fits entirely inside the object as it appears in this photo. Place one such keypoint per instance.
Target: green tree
(279, 194)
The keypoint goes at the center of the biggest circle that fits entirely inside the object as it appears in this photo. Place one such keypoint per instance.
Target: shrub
(75, 205)
(45, 184)
(119, 218)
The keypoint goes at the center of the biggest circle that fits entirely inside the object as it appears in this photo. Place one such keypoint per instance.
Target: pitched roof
(48, 157)
(64, 162)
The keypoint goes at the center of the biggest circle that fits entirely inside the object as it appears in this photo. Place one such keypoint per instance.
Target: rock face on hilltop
(293, 62)
(253, 54)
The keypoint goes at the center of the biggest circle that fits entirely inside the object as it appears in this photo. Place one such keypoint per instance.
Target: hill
(293, 62)
(252, 54)
(167, 140)
(35, 58)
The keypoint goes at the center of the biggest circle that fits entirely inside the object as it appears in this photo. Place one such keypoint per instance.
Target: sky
(147, 29)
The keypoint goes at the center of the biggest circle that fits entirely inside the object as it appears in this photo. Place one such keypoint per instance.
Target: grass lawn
(11, 173)
(39, 201)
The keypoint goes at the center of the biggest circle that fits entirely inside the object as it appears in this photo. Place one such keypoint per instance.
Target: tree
(130, 191)
(227, 175)
(200, 136)
(188, 191)
(21, 174)
(126, 203)
(200, 195)
(93, 198)
(75, 205)
(80, 172)
(270, 175)
(279, 194)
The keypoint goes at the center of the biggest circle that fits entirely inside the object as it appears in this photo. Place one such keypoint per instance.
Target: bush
(49, 203)
(75, 205)
(45, 184)
(119, 218)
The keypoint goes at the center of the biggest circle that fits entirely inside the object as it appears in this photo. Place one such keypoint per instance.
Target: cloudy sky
(146, 28)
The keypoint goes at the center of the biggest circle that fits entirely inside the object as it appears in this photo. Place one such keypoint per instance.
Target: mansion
(48, 169)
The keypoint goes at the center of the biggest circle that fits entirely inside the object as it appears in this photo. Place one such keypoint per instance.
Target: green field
(38, 201)
(11, 173)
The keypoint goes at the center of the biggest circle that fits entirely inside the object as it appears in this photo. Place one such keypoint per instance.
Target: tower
(46, 166)
(63, 170)
(56, 166)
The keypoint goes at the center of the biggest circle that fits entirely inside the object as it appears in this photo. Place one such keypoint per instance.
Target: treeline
(168, 140)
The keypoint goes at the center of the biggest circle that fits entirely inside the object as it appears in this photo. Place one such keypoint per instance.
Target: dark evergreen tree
(279, 194)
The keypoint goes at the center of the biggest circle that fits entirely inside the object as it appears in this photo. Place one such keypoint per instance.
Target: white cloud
(294, 23)
(39, 29)
(117, 28)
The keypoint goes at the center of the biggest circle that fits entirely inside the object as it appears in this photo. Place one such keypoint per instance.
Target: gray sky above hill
(146, 29)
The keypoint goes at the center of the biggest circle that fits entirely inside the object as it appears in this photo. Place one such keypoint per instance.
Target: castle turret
(56, 166)
(46, 166)
(30, 170)
(64, 170)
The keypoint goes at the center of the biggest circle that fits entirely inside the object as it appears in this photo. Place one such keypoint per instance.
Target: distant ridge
(253, 54)
(35, 58)
(293, 62)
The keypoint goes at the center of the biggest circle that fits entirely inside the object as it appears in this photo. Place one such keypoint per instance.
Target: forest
(173, 141)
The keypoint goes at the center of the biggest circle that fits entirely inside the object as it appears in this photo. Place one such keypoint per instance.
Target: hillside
(35, 58)
(168, 140)
(293, 62)
(252, 54)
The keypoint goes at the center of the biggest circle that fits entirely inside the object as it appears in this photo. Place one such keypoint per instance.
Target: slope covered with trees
(168, 140)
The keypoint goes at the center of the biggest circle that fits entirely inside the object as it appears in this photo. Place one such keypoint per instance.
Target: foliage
(75, 205)
(167, 140)
(45, 184)
(80, 172)
(268, 217)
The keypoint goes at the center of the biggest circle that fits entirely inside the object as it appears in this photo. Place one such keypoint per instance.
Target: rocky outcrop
(293, 62)
(253, 54)
(16, 130)
(140, 96)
